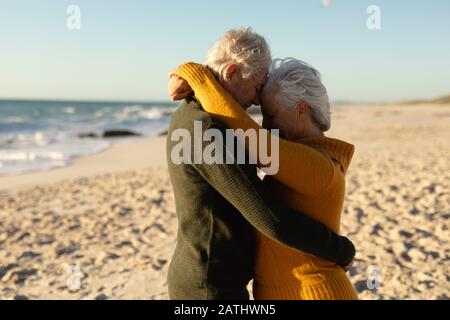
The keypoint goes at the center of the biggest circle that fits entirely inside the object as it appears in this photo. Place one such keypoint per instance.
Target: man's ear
(230, 70)
(302, 107)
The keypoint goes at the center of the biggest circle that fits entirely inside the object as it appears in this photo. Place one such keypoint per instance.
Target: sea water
(42, 135)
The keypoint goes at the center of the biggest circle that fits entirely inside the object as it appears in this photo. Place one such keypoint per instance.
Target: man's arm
(275, 220)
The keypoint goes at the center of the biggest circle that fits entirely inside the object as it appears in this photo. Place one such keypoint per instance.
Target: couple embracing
(280, 230)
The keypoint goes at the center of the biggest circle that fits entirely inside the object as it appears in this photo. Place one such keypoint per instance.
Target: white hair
(242, 47)
(292, 81)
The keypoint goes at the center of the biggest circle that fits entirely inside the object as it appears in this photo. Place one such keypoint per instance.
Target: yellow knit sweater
(311, 179)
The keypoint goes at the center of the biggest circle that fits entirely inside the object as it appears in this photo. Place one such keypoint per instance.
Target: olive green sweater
(218, 205)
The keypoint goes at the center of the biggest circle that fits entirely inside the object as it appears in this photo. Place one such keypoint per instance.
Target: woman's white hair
(242, 47)
(292, 81)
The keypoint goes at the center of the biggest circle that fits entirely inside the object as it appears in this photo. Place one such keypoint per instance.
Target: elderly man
(218, 205)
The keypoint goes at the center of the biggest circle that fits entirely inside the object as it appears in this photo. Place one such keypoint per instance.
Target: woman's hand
(178, 88)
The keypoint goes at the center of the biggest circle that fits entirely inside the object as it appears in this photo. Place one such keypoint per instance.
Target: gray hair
(242, 47)
(292, 81)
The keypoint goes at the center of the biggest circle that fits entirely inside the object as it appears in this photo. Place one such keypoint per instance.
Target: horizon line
(337, 101)
(81, 100)
(143, 101)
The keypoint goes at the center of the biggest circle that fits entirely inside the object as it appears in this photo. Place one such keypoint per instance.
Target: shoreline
(114, 160)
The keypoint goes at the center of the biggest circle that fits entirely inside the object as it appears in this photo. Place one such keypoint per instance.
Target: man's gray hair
(242, 47)
(292, 81)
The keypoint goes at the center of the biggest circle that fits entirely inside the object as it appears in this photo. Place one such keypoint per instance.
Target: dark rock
(20, 297)
(87, 135)
(119, 133)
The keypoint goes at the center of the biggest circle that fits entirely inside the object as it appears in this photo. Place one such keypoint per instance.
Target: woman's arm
(240, 186)
(301, 167)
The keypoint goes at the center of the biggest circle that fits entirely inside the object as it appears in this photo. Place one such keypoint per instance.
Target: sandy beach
(105, 226)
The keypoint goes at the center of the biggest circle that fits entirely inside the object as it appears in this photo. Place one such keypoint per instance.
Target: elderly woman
(311, 176)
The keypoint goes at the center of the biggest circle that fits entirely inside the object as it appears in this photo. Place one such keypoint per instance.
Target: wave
(18, 161)
(36, 136)
(69, 110)
(31, 156)
(26, 139)
(139, 112)
(14, 119)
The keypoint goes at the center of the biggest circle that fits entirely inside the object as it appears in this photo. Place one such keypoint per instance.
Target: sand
(105, 227)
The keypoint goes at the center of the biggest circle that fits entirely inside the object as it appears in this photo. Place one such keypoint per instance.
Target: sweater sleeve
(302, 168)
(275, 220)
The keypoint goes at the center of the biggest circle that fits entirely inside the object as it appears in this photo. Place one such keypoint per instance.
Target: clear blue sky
(125, 48)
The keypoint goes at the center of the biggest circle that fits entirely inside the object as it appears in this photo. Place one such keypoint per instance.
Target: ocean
(42, 135)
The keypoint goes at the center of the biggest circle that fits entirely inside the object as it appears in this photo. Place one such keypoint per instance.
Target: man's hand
(348, 262)
(348, 266)
(178, 88)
